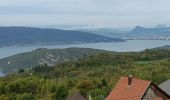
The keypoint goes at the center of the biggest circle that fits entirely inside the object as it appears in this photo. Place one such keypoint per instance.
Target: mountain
(53, 57)
(161, 26)
(28, 35)
(109, 32)
(159, 31)
(166, 47)
(41, 56)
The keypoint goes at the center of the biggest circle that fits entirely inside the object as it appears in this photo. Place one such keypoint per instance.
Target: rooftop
(165, 86)
(76, 96)
(134, 91)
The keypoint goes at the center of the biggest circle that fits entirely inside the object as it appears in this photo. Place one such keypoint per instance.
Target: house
(76, 96)
(165, 86)
(129, 88)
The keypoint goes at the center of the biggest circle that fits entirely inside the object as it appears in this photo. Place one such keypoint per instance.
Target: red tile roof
(133, 92)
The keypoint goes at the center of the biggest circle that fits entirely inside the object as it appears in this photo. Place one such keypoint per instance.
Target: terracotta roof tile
(133, 92)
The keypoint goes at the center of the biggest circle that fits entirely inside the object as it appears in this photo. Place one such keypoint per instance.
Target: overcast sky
(118, 13)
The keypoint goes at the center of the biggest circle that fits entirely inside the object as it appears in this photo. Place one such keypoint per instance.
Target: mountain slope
(166, 47)
(53, 57)
(159, 31)
(118, 33)
(42, 56)
(27, 35)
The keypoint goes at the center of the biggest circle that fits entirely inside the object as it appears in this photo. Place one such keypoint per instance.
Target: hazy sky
(118, 13)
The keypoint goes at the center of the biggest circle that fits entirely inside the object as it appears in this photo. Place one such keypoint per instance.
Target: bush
(25, 96)
(61, 93)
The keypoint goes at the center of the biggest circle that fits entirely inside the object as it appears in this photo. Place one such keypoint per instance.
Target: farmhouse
(129, 88)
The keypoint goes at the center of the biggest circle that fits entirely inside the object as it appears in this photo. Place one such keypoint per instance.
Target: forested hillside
(94, 74)
(39, 36)
(42, 56)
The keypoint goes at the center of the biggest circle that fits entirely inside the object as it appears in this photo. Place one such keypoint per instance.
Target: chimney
(129, 80)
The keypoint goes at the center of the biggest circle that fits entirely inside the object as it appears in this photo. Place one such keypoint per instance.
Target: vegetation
(42, 56)
(10, 36)
(94, 74)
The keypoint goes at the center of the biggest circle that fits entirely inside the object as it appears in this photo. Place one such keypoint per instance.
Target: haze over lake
(130, 45)
(1, 74)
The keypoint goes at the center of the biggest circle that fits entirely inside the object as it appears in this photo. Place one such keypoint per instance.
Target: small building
(76, 96)
(165, 86)
(129, 88)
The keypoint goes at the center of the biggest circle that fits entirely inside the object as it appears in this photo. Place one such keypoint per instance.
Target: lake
(1, 74)
(130, 45)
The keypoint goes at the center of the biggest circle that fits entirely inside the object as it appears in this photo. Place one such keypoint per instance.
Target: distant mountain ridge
(166, 47)
(115, 33)
(162, 31)
(159, 32)
(29, 35)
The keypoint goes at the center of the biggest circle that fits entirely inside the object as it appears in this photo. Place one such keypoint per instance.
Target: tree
(61, 93)
(85, 86)
(25, 96)
(21, 70)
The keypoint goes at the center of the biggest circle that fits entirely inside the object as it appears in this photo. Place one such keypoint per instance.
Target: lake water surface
(1, 74)
(130, 45)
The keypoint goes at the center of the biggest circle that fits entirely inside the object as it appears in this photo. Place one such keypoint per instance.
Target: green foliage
(21, 71)
(61, 93)
(96, 74)
(25, 96)
(43, 56)
(85, 86)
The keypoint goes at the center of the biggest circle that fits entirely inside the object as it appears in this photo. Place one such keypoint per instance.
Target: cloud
(116, 12)
(84, 6)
